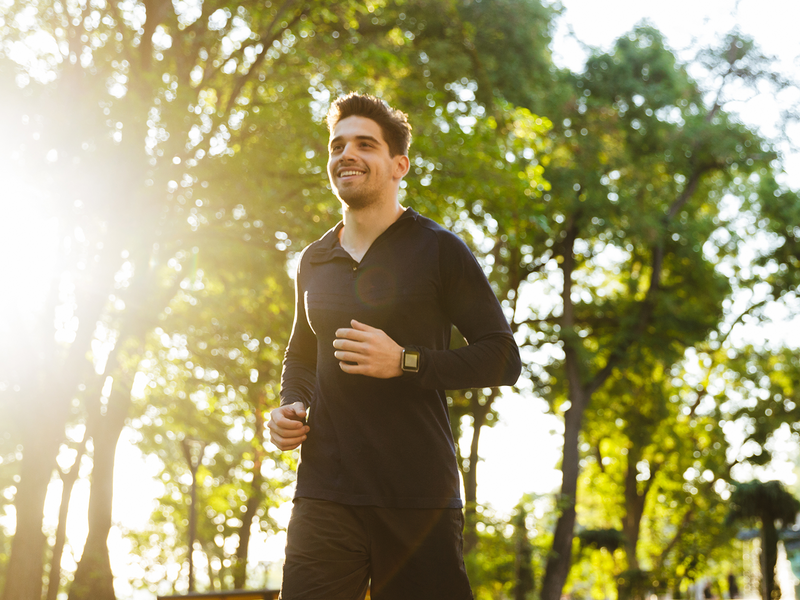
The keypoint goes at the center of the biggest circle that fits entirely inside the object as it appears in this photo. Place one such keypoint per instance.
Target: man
(377, 501)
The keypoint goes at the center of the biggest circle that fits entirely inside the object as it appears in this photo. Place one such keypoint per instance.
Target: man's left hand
(365, 350)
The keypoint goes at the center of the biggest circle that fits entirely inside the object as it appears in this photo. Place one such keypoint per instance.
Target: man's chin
(356, 201)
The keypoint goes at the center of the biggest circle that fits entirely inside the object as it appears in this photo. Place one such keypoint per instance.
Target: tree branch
(740, 318)
(243, 79)
(687, 517)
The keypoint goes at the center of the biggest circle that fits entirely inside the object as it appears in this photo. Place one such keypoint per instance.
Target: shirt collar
(328, 247)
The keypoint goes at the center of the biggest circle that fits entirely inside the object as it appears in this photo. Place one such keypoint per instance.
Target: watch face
(410, 360)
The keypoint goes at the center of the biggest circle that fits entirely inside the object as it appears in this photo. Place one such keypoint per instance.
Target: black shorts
(336, 552)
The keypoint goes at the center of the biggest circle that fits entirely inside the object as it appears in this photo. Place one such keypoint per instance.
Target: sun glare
(29, 247)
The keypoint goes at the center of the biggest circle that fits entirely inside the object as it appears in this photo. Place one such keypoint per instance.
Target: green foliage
(766, 503)
(635, 583)
(191, 172)
(490, 565)
(756, 500)
(609, 539)
(638, 173)
(509, 553)
(592, 574)
(213, 368)
(766, 393)
(151, 201)
(781, 210)
(523, 556)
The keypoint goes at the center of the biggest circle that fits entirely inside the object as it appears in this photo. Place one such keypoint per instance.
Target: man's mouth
(350, 173)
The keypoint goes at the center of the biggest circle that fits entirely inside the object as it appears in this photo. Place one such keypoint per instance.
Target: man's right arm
(298, 379)
(287, 426)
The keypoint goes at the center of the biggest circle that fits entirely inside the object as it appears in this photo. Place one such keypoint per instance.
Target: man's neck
(362, 227)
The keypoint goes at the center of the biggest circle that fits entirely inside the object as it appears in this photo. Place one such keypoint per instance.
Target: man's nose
(347, 152)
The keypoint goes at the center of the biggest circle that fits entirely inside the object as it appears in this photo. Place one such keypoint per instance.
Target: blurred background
(626, 172)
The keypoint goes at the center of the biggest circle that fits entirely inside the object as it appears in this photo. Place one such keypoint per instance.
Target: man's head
(393, 123)
(367, 151)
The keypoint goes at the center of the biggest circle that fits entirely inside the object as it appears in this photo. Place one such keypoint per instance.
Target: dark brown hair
(393, 123)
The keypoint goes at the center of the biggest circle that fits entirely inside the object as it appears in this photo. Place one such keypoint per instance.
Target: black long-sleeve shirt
(387, 442)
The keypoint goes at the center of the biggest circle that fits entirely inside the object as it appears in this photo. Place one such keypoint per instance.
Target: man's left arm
(491, 357)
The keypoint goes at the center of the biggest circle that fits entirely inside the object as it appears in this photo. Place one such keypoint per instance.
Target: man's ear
(401, 166)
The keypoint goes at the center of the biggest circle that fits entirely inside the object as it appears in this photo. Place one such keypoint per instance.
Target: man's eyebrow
(339, 138)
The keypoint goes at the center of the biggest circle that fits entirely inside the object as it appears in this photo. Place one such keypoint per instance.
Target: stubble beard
(357, 199)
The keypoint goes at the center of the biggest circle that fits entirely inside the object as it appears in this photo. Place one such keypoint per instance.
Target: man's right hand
(287, 429)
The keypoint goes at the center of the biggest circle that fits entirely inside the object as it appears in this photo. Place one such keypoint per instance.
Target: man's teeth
(349, 173)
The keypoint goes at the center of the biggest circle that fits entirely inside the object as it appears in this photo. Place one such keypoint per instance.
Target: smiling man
(377, 503)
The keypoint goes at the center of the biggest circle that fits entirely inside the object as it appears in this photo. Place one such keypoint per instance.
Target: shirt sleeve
(299, 375)
(491, 357)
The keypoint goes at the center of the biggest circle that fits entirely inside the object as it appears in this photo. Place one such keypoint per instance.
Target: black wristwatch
(409, 360)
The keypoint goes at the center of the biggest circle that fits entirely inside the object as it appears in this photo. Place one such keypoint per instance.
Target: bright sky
(521, 451)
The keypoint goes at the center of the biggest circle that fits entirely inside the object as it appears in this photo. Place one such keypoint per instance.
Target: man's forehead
(355, 126)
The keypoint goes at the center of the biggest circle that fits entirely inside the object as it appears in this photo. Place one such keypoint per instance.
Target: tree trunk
(633, 586)
(479, 413)
(49, 391)
(523, 555)
(40, 448)
(44, 393)
(634, 509)
(769, 558)
(559, 560)
(48, 394)
(212, 582)
(581, 387)
(239, 565)
(68, 483)
(93, 577)
(253, 502)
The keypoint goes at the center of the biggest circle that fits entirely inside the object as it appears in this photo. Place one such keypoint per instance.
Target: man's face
(361, 169)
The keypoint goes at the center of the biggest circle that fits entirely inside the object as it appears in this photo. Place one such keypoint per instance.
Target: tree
(644, 167)
(509, 551)
(193, 157)
(523, 556)
(766, 503)
(654, 470)
(241, 175)
(635, 163)
(153, 93)
(212, 371)
(765, 394)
